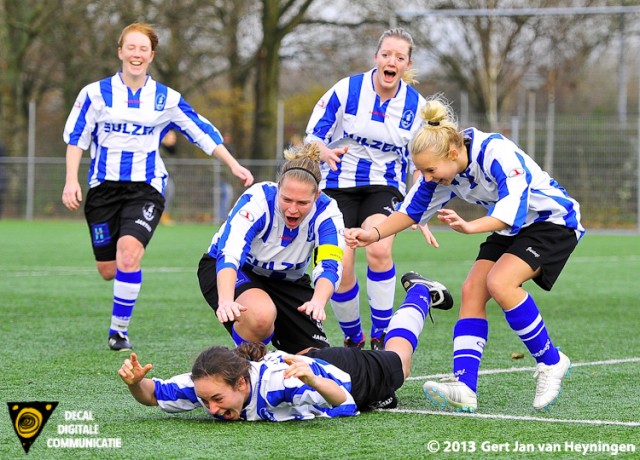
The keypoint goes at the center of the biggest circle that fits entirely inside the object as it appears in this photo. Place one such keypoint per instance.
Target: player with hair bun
(249, 383)
(122, 119)
(254, 272)
(534, 227)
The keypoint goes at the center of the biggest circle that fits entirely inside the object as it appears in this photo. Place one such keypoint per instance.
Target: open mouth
(389, 76)
(292, 221)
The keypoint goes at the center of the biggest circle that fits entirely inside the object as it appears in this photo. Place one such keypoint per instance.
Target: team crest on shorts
(149, 211)
(100, 235)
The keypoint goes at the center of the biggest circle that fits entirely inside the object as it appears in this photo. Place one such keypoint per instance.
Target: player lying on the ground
(247, 383)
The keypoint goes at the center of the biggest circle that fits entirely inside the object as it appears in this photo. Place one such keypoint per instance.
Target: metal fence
(594, 157)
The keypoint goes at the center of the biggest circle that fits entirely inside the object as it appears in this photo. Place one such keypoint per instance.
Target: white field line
(607, 362)
(30, 270)
(21, 272)
(525, 418)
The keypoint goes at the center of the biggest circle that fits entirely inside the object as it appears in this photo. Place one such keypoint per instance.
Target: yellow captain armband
(328, 252)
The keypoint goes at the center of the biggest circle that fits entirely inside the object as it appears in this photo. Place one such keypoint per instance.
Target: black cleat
(389, 403)
(377, 343)
(440, 295)
(349, 343)
(120, 342)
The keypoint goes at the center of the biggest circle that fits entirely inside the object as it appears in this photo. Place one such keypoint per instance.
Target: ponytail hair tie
(433, 123)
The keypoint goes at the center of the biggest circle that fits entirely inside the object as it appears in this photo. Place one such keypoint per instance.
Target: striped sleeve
(330, 243)
(81, 121)
(246, 221)
(325, 115)
(194, 126)
(176, 394)
(283, 399)
(424, 199)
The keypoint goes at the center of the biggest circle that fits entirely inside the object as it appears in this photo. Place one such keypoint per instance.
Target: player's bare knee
(496, 287)
(379, 256)
(107, 273)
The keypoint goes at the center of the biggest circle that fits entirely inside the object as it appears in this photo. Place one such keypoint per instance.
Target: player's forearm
(486, 224)
(226, 282)
(144, 392)
(222, 154)
(323, 290)
(330, 390)
(393, 224)
(73, 157)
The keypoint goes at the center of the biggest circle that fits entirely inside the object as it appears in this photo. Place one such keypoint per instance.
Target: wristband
(378, 231)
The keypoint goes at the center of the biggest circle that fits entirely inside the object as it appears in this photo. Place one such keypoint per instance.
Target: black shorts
(115, 209)
(541, 244)
(358, 203)
(294, 330)
(375, 374)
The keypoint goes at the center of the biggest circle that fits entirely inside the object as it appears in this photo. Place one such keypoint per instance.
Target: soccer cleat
(549, 381)
(377, 343)
(440, 295)
(389, 403)
(348, 343)
(119, 342)
(450, 392)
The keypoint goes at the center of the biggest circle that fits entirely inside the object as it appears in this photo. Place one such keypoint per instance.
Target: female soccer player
(247, 383)
(363, 126)
(123, 119)
(254, 273)
(534, 225)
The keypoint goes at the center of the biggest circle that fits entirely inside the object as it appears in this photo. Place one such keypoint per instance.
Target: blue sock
(346, 308)
(267, 341)
(469, 338)
(381, 288)
(408, 320)
(526, 321)
(237, 339)
(126, 287)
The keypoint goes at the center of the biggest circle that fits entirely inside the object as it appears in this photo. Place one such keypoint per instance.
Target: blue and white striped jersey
(124, 129)
(377, 134)
(503, 179)
(272, 396)
(255, 236)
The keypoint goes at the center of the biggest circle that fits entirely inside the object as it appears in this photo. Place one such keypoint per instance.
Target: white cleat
(450, 392)
(549, 382)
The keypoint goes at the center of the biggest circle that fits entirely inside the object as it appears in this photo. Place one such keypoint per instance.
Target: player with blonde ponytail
(533, 226)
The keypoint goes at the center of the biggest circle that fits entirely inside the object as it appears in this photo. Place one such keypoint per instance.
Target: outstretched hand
(453, 220)
(314, 309)
(229, 311)
(428, 236)
(131, 372)
(359, 237)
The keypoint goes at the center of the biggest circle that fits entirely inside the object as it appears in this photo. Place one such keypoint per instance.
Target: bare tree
(23, 24)
(488, 55)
